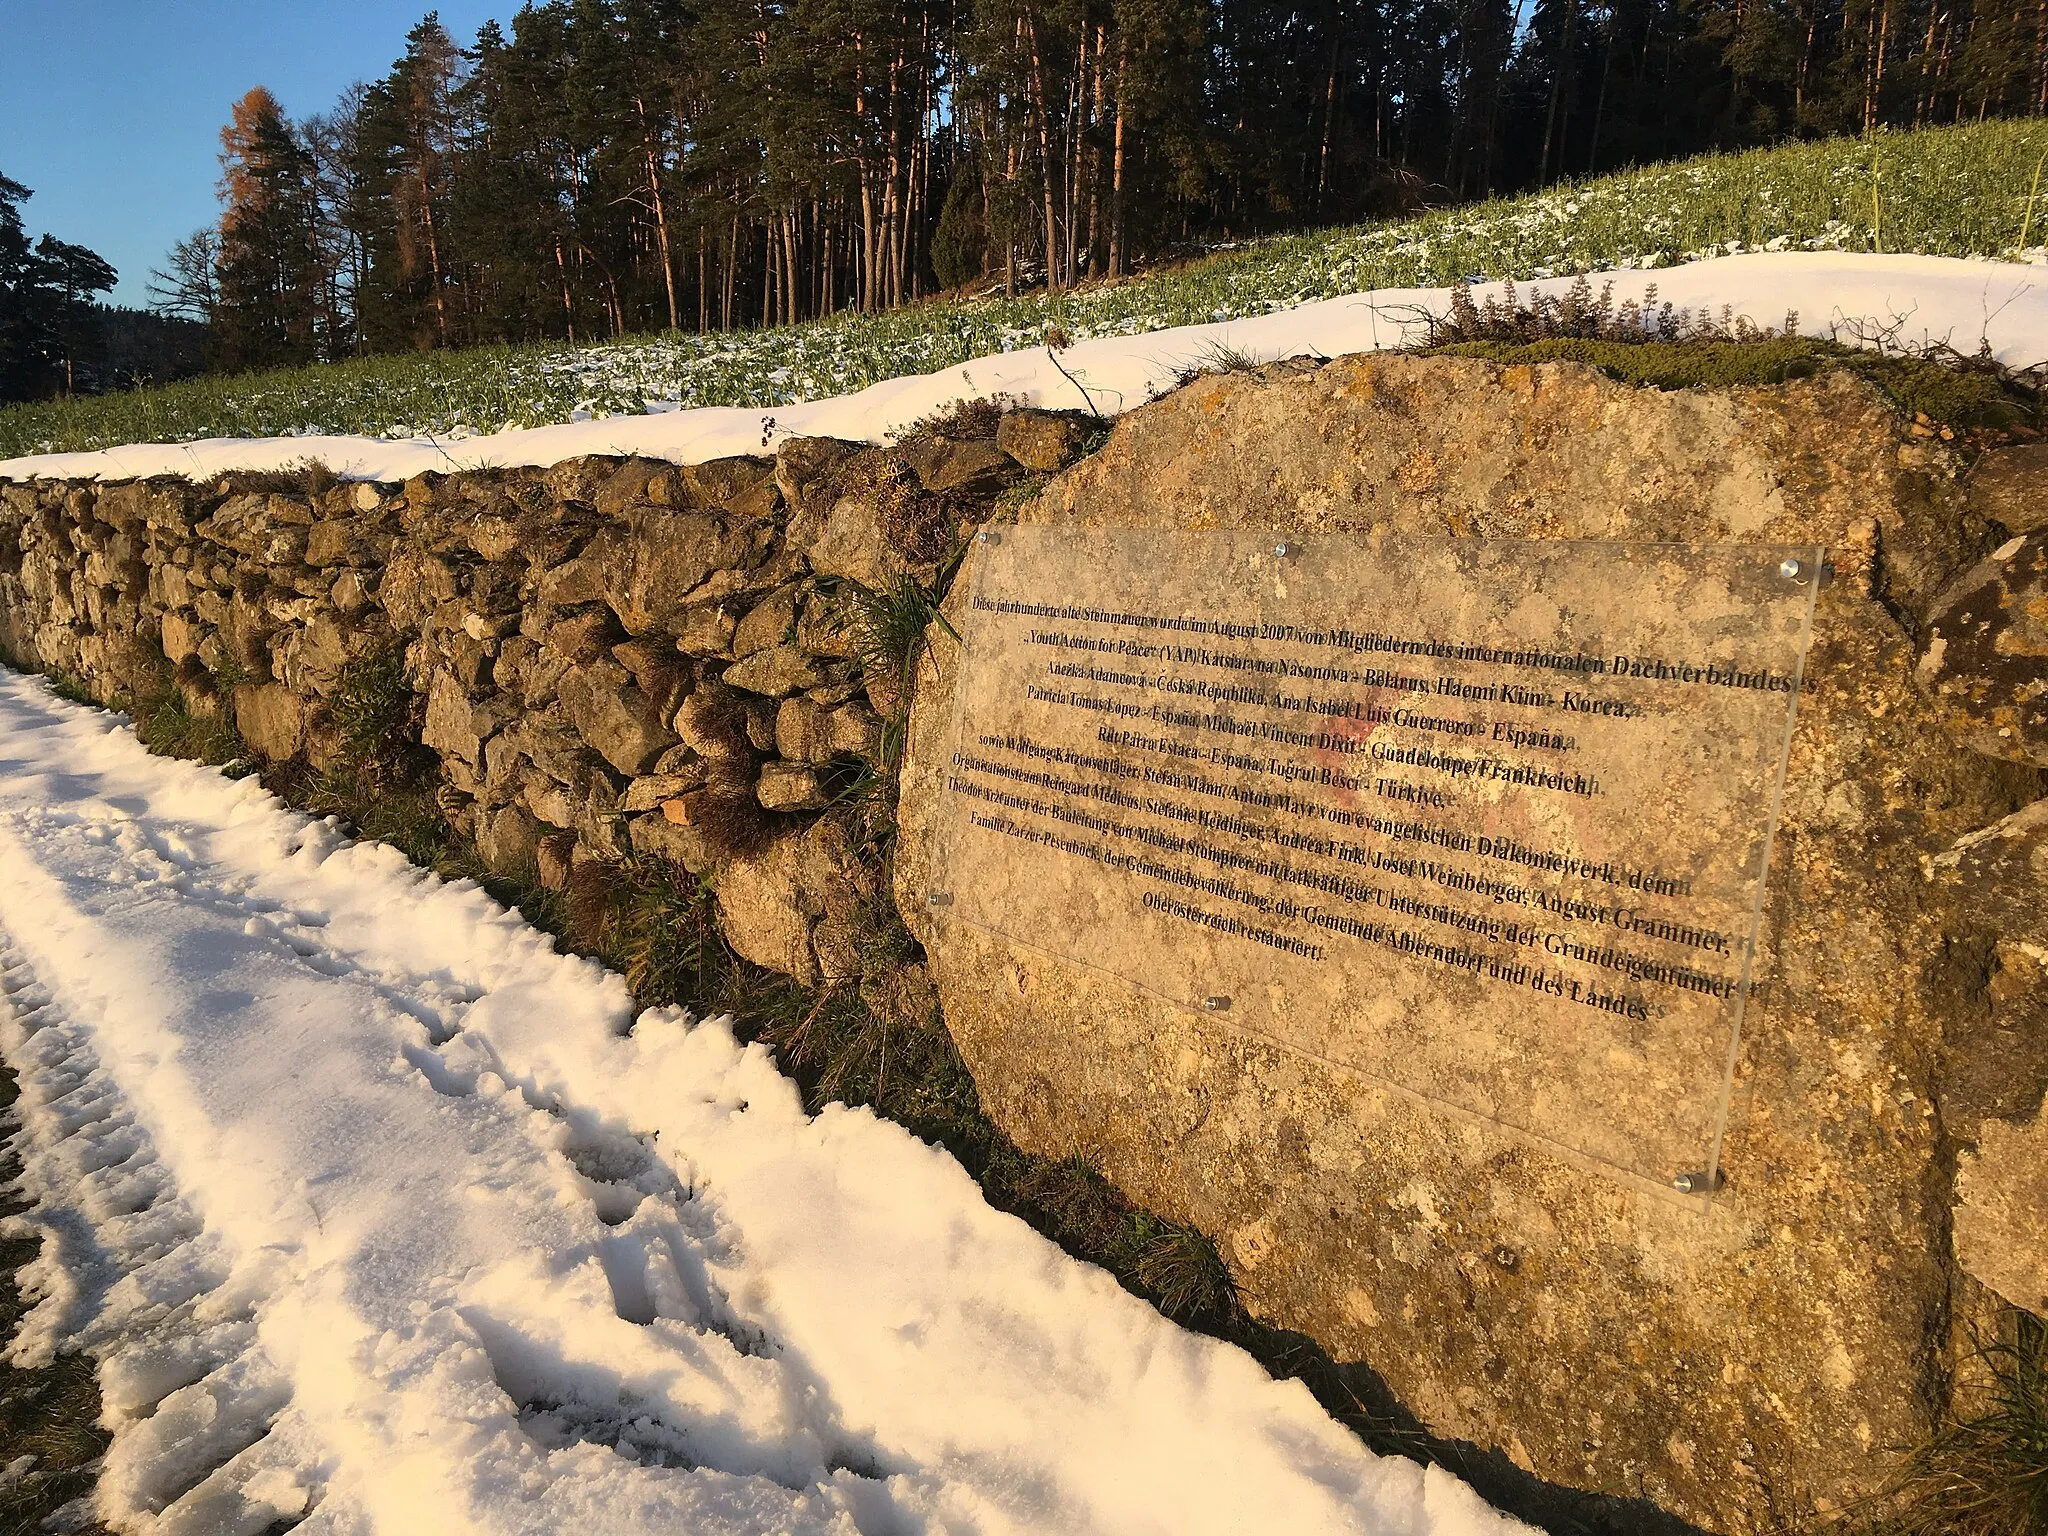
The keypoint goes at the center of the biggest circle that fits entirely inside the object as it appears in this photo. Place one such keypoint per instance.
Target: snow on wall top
(1909, 300)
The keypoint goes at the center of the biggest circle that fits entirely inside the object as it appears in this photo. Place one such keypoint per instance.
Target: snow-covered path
(377, 1209)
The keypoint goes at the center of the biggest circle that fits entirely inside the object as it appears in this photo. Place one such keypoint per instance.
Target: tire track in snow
(443, 1237)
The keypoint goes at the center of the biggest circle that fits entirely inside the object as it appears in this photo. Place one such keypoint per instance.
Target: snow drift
(378, 1211)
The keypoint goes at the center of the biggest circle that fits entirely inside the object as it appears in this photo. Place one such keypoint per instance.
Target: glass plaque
(1484, 821)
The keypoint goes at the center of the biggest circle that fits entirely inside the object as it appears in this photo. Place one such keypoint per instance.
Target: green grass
(1963, 191)
(1985, 1472)
(1957, 396)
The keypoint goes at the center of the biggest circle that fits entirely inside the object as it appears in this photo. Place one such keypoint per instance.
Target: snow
(1910, 300)
(376, 1209)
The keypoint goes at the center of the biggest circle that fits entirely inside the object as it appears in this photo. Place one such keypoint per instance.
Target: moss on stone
(1960, 395)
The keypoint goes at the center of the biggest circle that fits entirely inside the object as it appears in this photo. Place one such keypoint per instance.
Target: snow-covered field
(1910, 301)
(376, 1209)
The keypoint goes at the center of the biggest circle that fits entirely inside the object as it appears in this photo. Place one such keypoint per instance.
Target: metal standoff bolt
(1286, 551)
(989, 536)
(939, 899)
(1216, 1004)
(1699, 1183)
(1796, 571)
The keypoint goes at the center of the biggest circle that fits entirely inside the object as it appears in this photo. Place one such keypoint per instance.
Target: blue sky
(111, 109)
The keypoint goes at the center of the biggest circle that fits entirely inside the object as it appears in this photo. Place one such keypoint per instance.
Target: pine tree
(49, 330)
(268, 302)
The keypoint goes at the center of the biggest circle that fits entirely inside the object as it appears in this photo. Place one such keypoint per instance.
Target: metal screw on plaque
(1699, 1183)
(940, 899)
(1216, 1004)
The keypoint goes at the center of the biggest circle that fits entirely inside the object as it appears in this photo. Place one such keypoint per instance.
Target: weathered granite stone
(181, 636)
(760, 908)
(598, 569)
(414, 584)
(804, 467)
(852, 544)
(1041, 440)
(615, 717)
(648, 792)
(1999, 874)
(705, 629)
(721, 482)
(273, 529)
(790, 787)
(1596, 1333)
(778, 671)
(1986, 655)
(772, 621)
(586, 636)
(509, 840)
(271, 720)
(2001, 1219)
(809, 732)
(455, 726)
(664, 837)
(671, 553)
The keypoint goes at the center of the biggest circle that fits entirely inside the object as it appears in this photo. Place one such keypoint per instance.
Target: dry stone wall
(608, 657)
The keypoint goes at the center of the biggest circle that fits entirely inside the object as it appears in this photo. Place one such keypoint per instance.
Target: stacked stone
(617, 657)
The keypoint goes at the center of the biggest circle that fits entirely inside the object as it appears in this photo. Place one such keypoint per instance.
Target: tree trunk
(1116, 174)
(1045, 160)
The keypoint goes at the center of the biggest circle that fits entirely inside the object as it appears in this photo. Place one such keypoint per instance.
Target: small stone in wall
(809, 732)
(772, 621)
(761, 909)
(270, 719)
(648, 793)
(705, 629)
(181, 637)
(852, 545)
(614, 717)
(455, 727)
(942, 465)
(777, 672)
(584, 637)
(1041, 440)
(509, 840)
(350, 593)
(790, 787)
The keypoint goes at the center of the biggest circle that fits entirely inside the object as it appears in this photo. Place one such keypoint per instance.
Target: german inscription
(1487, 822)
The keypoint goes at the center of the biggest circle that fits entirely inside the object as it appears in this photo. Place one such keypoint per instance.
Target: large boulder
(1596, 1333)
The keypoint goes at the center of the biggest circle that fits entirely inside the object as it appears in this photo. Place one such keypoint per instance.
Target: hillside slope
(1972, 191)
